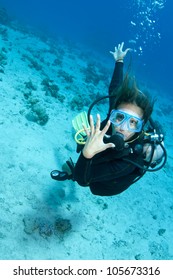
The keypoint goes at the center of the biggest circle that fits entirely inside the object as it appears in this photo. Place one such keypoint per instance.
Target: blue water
(102, 24)
(31, 202)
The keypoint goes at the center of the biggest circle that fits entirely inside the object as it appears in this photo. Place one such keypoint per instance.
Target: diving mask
(121, 118)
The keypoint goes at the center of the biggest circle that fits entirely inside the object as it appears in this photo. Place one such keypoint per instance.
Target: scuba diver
(118, 151)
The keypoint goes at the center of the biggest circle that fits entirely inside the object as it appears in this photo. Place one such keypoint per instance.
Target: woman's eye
(119, 118)
(133, 122)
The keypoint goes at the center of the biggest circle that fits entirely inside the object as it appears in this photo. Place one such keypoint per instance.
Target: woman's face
(131, 109)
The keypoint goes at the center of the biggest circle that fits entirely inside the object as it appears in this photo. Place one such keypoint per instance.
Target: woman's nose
(124, 126)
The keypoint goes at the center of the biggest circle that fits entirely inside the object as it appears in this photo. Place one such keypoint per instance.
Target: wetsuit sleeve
(116, 81)
(82, 170)
(117, 77)
(89, 171)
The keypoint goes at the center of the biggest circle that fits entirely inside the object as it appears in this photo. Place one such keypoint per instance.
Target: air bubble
(146, 20)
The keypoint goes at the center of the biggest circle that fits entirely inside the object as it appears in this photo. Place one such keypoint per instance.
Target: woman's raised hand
(94, 143)
(119, 54)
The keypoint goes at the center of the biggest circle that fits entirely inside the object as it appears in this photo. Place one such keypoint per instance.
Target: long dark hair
(128, 92)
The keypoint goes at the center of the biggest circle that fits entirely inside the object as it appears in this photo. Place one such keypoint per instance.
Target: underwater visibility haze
(54, 61)
(145, 26)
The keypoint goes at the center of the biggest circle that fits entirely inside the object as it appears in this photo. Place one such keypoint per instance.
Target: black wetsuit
(107, 173)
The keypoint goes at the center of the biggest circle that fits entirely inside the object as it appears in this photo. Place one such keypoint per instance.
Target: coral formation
(45, 228)
(37, 114)
(4, 17)
(3, 57)
(62, 226)
(50, 88)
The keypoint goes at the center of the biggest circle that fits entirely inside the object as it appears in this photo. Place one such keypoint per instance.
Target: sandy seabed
(44, 219)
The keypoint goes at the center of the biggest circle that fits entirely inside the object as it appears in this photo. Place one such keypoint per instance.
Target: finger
(105, 129)
(122, 45)
(91, 124)
(127, 50)
(87, 130)
(116, 49)
(110, 145)
(119, 46)
(98, 122)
